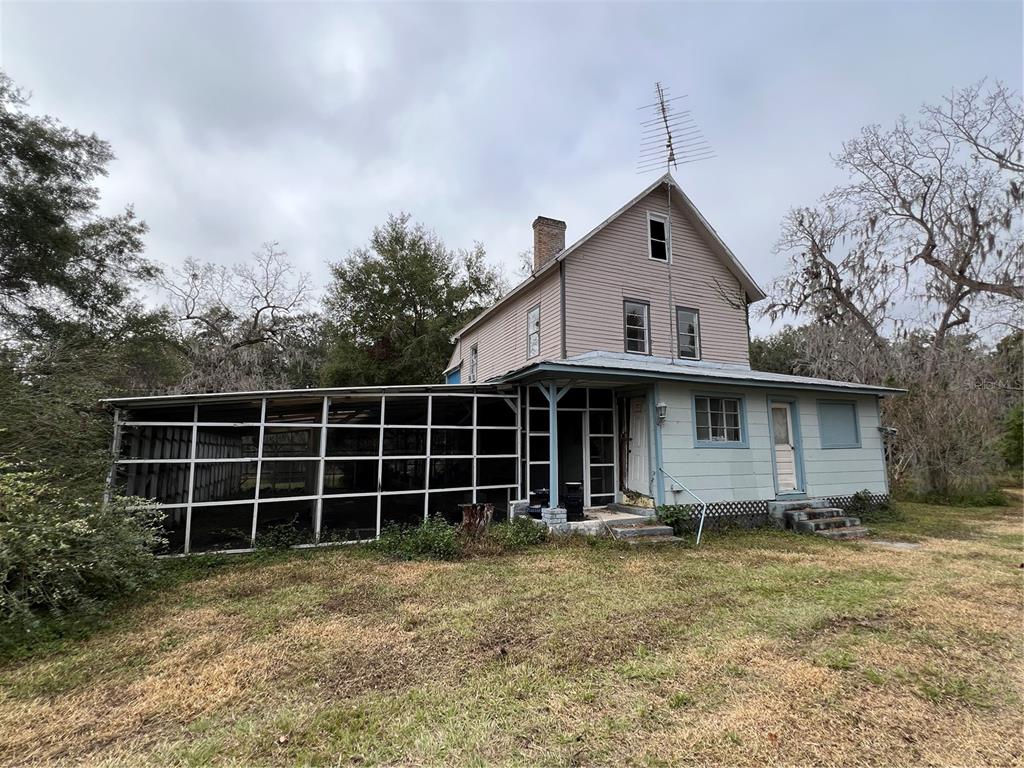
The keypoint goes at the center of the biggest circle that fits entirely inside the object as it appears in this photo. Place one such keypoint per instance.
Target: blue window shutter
(837, 422)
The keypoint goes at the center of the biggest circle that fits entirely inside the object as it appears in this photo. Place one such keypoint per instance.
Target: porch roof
(398, 389)
(622, 367)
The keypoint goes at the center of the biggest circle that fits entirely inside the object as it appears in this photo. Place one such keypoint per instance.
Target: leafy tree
(1013, 439)
(60, 260)
(52, 416)
(393, 307)
(780, 352)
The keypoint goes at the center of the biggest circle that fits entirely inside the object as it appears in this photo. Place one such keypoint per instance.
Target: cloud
(308, 123)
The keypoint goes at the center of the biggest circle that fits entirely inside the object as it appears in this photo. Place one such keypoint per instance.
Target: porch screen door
(785, 455)
(638, 475)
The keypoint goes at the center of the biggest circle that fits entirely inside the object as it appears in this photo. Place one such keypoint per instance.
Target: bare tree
(927, 215)
(247, 325)
(906, 265)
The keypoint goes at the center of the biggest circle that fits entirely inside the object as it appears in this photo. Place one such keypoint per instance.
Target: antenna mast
(661, 133)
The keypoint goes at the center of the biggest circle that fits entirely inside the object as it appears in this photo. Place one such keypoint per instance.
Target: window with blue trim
(837, 424)
(718, 420)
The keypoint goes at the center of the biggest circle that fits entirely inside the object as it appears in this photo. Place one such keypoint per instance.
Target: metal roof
(624, 365)
(452, 389)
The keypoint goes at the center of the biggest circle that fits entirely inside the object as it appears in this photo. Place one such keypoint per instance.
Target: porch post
(551, 390)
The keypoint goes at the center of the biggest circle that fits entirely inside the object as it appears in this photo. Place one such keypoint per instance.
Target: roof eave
(569, 371)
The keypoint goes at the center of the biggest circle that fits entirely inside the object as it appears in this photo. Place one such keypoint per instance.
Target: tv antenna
(669, 137)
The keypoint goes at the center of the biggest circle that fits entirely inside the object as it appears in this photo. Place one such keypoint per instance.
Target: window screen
(636, 326)
(838, 425)
(473, 360)
(533, 332)
(688, 332)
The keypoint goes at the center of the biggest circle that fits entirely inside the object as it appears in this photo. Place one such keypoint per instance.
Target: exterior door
(785, 448)
(638, 474)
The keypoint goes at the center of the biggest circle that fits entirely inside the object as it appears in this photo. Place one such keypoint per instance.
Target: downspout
(561, 304)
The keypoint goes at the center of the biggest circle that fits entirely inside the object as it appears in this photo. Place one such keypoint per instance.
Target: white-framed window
(688, 333)
(718, 421)
(657, 236)
(636, 326)
(473, 357)
(533, 332)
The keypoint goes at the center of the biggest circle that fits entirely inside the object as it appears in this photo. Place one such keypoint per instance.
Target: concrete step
(812, 513)
(826, 523)
(631, 522)
(778, 508)
(851, 532)
(646, 540)
(632, 531)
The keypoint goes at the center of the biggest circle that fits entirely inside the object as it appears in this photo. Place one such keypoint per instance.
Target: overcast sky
(238, 123)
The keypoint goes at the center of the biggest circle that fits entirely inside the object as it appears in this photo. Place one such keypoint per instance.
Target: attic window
(657, 231)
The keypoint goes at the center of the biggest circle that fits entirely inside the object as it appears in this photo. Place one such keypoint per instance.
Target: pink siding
(501, 338)
(614, 265)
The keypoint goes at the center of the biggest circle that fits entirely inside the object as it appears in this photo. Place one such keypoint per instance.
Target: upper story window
(657, 236)
(636, 320)
(533, 332)
(473, 356)
(688, 333)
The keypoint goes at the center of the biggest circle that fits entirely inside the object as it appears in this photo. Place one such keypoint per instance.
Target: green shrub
(993, 497)
(282, 537)
(869, 509)
(433, 539)
(61, 553)
(1012, 440)
(677, 516)
(519, 533)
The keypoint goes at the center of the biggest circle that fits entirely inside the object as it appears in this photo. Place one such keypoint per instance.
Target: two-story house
(652, 305)
(619, 369)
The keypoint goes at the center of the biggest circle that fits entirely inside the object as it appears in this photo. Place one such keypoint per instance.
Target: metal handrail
(703, 504)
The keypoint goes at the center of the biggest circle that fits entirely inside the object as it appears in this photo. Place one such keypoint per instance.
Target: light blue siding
(738, 473)
(454, 377)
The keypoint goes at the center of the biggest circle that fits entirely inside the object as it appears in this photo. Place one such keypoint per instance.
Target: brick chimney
(548, 240)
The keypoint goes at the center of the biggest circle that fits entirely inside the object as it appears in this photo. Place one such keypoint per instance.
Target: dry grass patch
(762, 647)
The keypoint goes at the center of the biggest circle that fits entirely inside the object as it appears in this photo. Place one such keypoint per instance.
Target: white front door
(785, 449)
(638, 476)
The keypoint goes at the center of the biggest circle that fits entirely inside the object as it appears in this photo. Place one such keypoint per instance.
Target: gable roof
(750, 287)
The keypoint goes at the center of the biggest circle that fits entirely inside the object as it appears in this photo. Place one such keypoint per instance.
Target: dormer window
(657, 236)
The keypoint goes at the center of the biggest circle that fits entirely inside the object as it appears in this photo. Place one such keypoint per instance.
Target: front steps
(641, 531)
(815, 516)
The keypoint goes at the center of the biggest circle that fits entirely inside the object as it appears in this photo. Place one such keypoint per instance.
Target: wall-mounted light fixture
(662, 412)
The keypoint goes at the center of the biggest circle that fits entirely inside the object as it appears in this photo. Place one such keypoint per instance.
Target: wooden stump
(475, 519)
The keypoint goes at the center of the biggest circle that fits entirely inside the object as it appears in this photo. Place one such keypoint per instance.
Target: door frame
(798, 445)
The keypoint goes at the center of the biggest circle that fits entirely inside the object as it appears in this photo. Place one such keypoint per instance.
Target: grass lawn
(761, 647)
